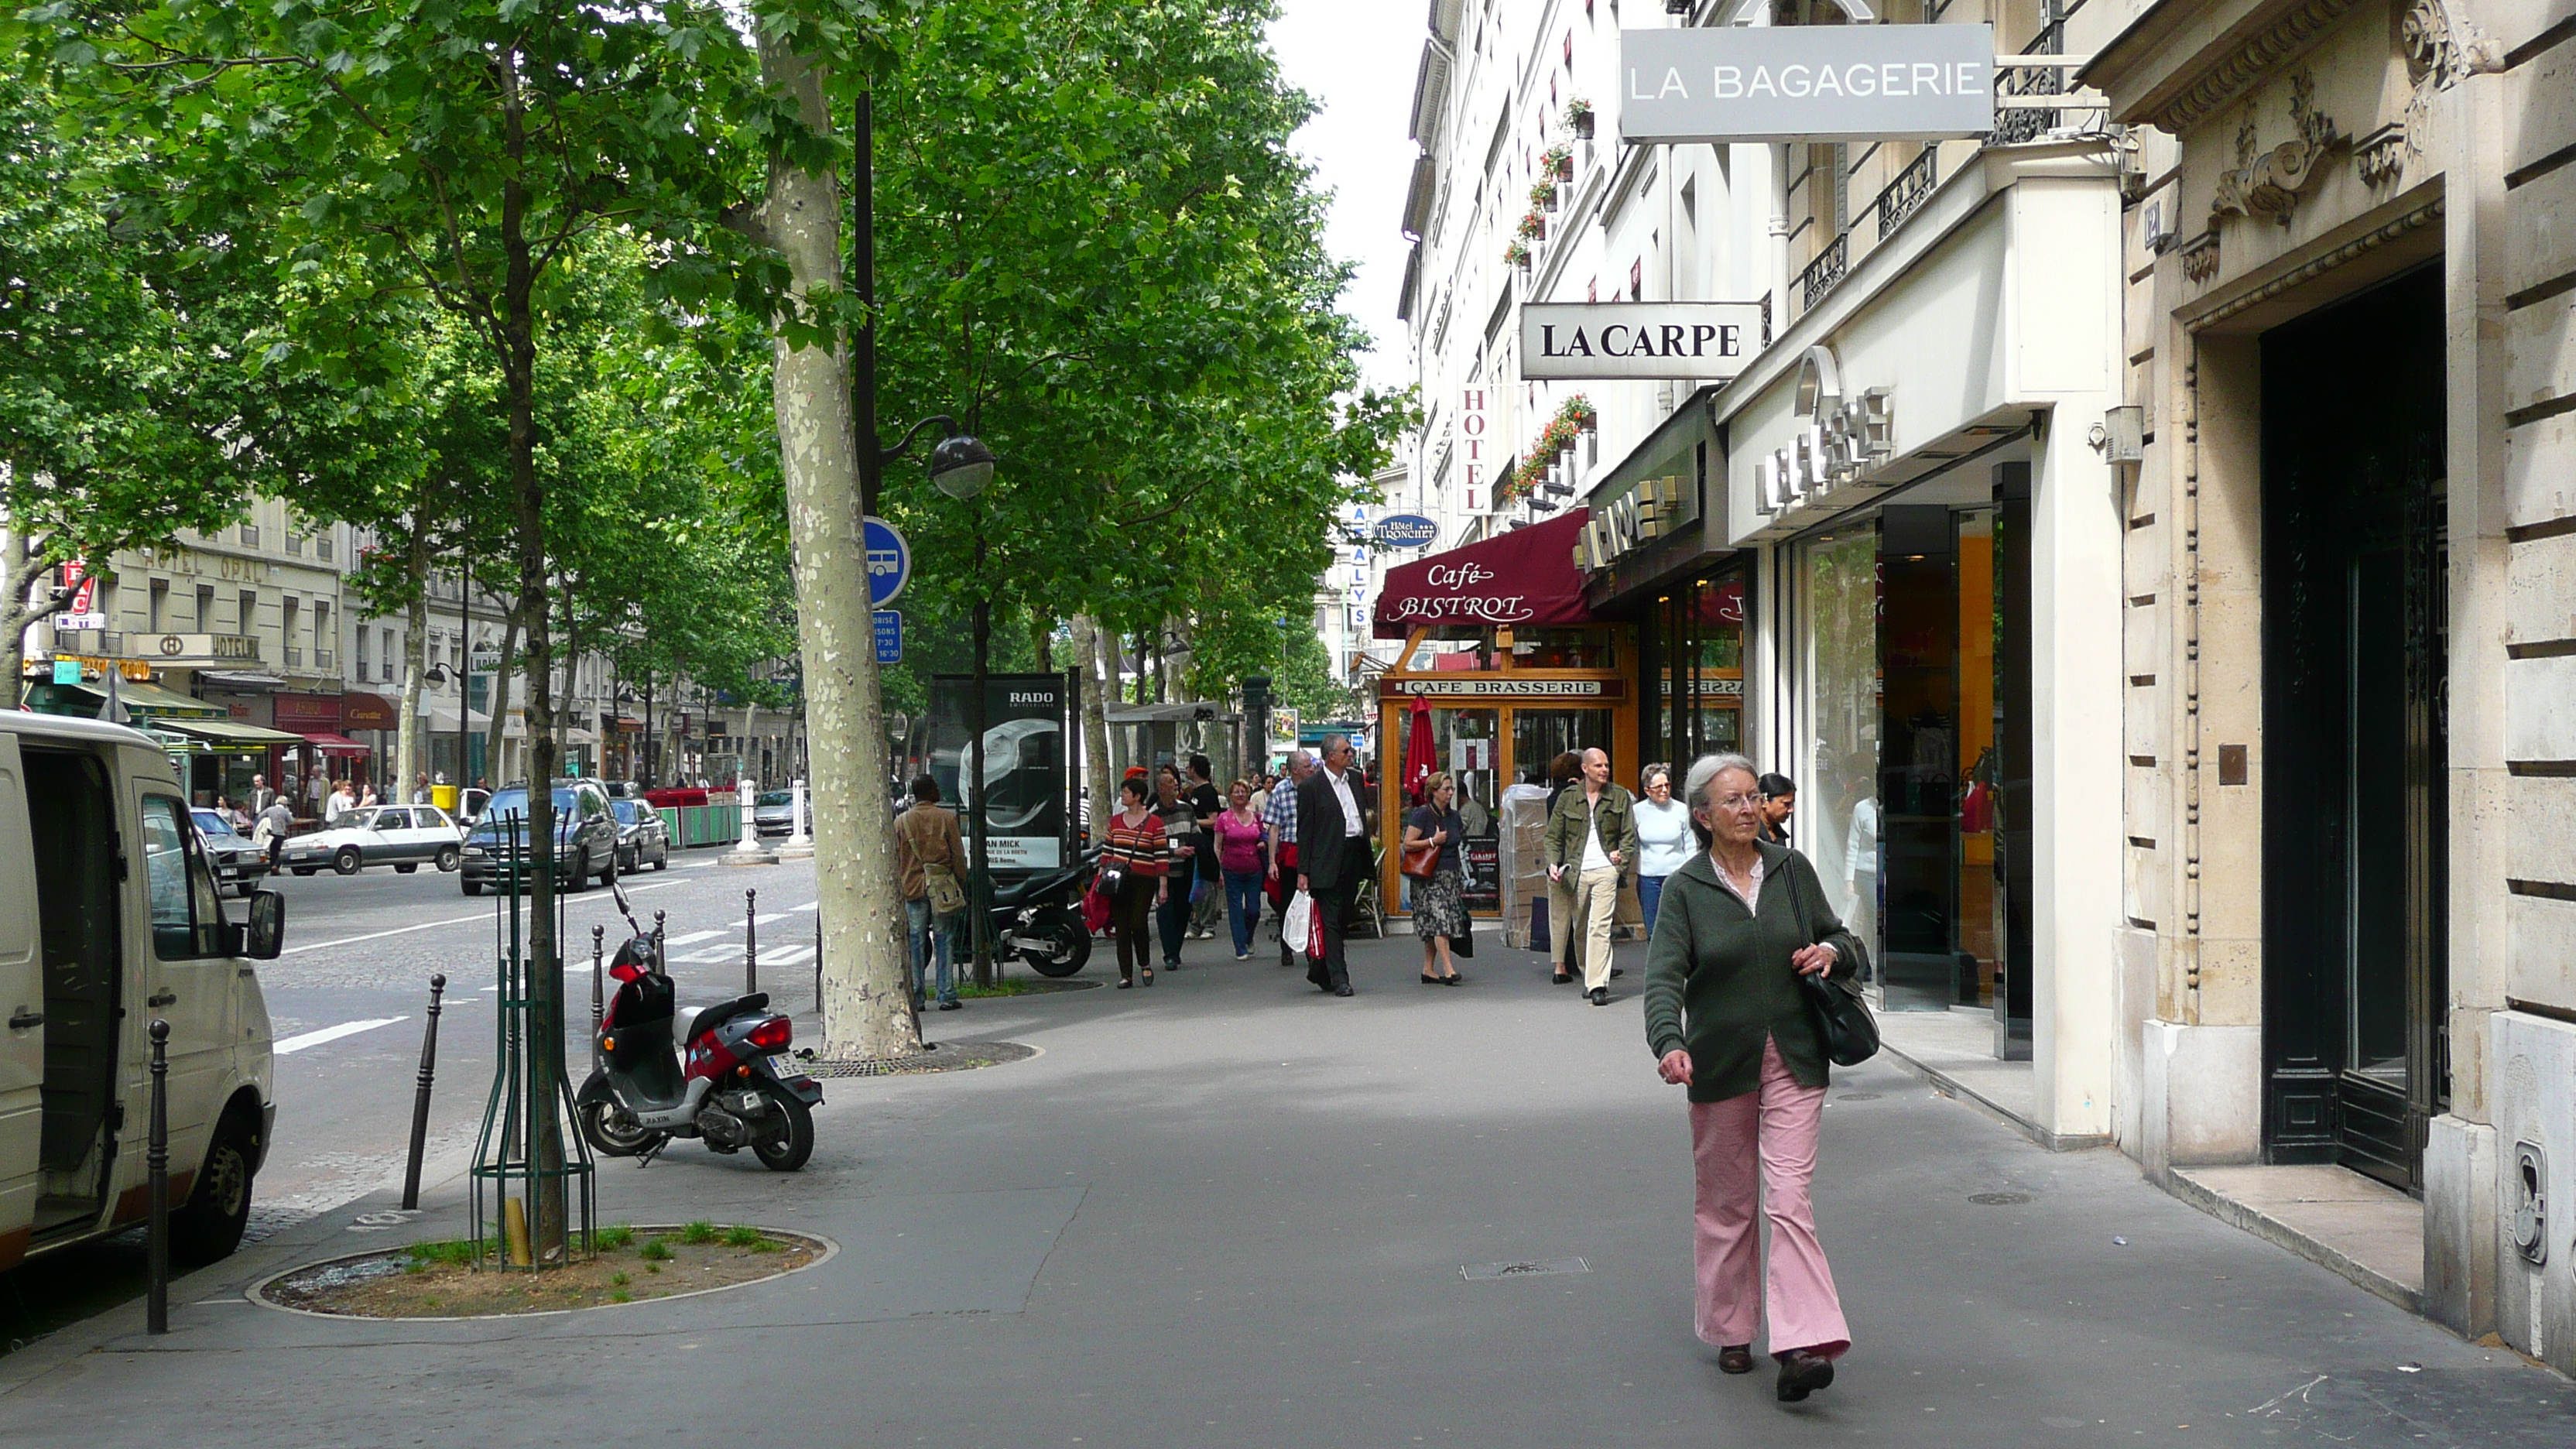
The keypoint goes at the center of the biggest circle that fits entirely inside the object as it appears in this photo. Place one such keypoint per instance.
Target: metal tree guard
(511, 1187)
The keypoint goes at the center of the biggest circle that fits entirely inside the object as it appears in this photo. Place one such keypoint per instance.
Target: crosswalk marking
(299, 1042)
(691, 938)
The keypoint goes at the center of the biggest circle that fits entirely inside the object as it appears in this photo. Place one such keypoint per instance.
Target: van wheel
(406, 869)
(209, 1225)
(474, 887)
(447, 858)
(346, 862)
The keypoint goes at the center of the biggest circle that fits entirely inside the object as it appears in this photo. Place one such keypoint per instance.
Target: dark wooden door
(2354, 866)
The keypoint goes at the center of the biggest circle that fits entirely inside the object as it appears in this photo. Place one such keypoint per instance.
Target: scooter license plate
(782, 1064)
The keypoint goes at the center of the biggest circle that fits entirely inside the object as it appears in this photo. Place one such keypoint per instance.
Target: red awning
(331, 744)
(1525, 578)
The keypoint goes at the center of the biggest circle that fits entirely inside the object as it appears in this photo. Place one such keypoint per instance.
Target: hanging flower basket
(1558, 162)
(1579, 411)
(1543, 196)
(1533, 227)
(1578, 117)
(1517, 254)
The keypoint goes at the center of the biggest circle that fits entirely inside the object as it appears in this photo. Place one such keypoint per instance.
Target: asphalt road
(347, 1001)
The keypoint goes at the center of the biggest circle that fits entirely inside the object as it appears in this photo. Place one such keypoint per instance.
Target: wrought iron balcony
(2014, 125)
(1822, 274)
(1908, 191)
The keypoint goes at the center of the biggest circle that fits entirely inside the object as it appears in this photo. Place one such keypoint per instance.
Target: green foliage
(1307, 679)
(698, 1232)
(453, 1252)
(655, 1253)
(614, 1237)
(743, 1235)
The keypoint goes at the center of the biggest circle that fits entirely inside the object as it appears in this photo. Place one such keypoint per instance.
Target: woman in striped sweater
(1137, 849)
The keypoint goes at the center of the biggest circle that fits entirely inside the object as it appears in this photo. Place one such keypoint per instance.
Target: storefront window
(1564, 649)
(1467, 744)
(1540, 735)
(1837, 823)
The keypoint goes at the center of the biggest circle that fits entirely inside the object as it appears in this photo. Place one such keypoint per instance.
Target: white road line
(705, 957)
(808, 906)
(771, 919)
(331, 1033)
(692, 938)
(790, 956)
(452, 921)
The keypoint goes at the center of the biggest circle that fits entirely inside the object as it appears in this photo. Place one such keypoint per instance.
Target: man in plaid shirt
(1281, 817)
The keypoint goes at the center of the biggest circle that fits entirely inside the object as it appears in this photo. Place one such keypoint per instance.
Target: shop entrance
(2354, 869)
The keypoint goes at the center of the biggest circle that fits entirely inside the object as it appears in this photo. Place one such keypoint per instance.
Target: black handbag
(1463, 945)
(1842, 1018)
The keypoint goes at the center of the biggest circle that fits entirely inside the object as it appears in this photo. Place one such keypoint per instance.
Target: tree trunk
(500, 717)
(1042, 641)
(1088, 639)
(867, 1002)
(407, 738)
(18, 573)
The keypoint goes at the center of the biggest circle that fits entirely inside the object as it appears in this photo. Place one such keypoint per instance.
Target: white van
(110, 916)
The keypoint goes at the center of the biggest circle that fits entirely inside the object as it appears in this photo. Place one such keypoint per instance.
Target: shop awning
(1525, 578)
(232, 738)
(153, 699)
(333, 744)
(362, 711)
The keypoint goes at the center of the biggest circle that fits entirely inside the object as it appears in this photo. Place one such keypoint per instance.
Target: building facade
(2143, 535)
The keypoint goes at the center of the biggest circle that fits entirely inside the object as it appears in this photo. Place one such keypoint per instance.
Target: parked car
(773, 812)
(640, 835)
(471, 808)
(239, 864)
(402, 836)
(585, 837)
(109, 920)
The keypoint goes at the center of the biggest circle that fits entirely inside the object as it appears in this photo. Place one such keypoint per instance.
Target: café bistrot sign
(1704, 341)
(1807, 83)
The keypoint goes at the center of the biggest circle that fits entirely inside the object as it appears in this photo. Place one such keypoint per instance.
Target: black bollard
(661, 962)
(750, 942)
(818, 968)
(598, 1004)
(156, 1167)
(420, 1096)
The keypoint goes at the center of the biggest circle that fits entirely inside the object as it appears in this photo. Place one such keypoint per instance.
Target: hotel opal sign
(1709, 341)
(1807, 83)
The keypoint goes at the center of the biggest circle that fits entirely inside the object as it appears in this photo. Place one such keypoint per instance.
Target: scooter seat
(715, 1016)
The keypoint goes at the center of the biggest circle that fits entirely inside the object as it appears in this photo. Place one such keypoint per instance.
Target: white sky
(1357, 59)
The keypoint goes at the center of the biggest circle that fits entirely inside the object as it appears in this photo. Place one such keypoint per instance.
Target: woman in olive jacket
(1726, 1018)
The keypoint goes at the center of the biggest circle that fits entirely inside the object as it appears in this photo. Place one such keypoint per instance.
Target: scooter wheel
(784, 1149)
(599, 1128)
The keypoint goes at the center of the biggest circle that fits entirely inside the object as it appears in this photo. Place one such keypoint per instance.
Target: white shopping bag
(1300, 920)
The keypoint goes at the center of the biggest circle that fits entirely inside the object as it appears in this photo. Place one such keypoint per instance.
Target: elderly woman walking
(1726, 1018)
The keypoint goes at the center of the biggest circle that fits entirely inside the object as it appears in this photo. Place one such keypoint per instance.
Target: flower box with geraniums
(1579, 411)
(1533, 227)
(1543, 195)
(1578, 117)
(1558, 162)
(1517, 254)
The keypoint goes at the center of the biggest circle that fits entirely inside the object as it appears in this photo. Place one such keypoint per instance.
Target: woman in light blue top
(1664, 841)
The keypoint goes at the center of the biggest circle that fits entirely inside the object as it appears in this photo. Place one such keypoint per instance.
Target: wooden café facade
(1506, 668)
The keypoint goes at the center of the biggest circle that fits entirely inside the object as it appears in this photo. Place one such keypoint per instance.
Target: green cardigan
(1718, 978)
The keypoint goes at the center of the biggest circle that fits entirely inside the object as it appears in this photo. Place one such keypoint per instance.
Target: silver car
(402, 836)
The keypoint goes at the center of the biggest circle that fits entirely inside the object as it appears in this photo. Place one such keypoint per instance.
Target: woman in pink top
(1238, 832)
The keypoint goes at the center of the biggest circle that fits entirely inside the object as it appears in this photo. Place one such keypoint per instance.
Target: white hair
(1705, 770)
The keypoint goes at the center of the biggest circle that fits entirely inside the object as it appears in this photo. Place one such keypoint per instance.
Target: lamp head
(961, 466)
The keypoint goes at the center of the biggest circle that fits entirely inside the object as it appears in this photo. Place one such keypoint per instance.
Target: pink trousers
(1778, 1122)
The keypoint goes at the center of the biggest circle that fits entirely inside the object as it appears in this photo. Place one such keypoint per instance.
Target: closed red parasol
(1419, 757)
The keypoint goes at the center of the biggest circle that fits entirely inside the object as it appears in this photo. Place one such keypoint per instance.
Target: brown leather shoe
(1735, 1358)
(1802, 1373)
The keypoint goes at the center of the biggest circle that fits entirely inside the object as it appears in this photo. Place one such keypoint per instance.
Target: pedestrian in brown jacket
(930, 853)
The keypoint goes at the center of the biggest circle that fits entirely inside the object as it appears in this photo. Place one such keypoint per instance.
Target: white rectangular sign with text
(1807, 83)
(1709, 341)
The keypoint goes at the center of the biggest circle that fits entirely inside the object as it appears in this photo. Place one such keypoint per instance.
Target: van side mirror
(266, 931)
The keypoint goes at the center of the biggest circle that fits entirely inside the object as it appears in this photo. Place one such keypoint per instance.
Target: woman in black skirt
(1440, 903)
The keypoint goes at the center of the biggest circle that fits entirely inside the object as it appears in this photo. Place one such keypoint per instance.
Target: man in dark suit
(1332, 856)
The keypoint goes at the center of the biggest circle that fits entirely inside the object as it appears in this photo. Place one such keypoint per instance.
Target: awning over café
(230, 737)
(1525, 579)
(334, 744)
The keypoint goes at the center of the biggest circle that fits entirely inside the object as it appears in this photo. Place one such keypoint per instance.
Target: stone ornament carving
(2382, 155)
(2441, 48)
(2270, 183)
(2200, 256)
(2287, 35)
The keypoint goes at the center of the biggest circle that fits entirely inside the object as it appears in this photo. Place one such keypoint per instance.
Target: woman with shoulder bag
(1728, 1017)
(1237, 831)
(1140, 855)
(1433, 858)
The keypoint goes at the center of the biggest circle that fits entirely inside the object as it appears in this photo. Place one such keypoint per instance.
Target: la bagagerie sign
(1699, 340)
(1807, 83)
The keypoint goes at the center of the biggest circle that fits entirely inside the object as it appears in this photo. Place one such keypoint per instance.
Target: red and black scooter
(733, 1087)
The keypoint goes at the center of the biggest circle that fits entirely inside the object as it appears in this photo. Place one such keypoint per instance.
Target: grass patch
(698, 1233)
(743, 1235)
(655, 1252)
(615, 1237)
(452, 1252)
(1007, 986)
(618, 1280)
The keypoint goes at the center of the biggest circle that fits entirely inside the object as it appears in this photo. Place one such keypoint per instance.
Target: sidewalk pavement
(1229, 1210)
